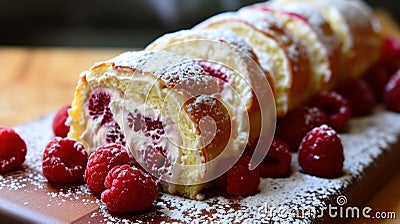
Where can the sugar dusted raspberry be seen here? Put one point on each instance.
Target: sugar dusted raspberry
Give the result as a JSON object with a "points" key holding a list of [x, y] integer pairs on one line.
{"points": [[240, 180], [278, 160], [392, 93], [12, 150], [292, 128], [321, 153], [101, 162], [129, 190], [359, 95], [59, 127], [64, 161], [335, 106]]}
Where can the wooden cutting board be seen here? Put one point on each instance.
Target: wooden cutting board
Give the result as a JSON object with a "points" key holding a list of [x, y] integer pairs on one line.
{"points": [[372, 147]]}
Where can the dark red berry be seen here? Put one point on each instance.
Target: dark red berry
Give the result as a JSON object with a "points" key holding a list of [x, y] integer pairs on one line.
{"points": [[64, 161], [321, 153], [390, 55], [59, 127], [335, 106], [101, 162], [376, 78], [392, 93], [240, 180], [359, 95], [129, 190], [12, 150], [390, 48], [278, 160], [292, 128]]}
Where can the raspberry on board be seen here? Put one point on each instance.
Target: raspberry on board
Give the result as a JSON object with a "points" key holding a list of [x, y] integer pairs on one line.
{"points": [[359, 95], [278, 160], [101, 162], [392, 93], [376, 77], [335, 106], [59, 127], [292, 128], [12, 150], [64, 161], [390, 48], [129, 190], [321, 152], [240, 180]]}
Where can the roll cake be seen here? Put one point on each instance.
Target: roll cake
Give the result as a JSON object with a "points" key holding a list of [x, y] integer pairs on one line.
{"points": [[189, 101]]}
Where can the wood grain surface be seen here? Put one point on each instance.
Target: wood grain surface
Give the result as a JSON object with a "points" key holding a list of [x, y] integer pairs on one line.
{"points": [[37, 81]]}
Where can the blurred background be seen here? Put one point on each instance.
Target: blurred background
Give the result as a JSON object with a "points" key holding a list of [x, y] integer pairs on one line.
{"points": [[121, 23]]}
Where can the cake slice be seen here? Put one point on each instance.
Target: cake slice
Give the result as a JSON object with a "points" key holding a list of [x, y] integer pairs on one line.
{"points": [[164, 108]]}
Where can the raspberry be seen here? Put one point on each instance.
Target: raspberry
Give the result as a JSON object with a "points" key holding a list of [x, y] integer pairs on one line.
{"points": [[64, 161], [59, 127], [390, 54], [100, 162], [359, 95], [376, 78], [12, 150], [240, 180], [129, 190], [292, 128], [335, 106], [278, 160], [321, 153], [390, 48], [392, 93]]}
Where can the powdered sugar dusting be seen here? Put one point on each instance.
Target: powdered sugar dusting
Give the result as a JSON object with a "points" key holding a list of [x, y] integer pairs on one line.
{"points": [[172, 69], [367, 140], [316, 21], [272, 26], [226, 36]]}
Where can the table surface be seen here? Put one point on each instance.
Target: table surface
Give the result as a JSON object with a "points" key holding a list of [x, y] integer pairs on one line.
{"points": [[37, 81]]}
